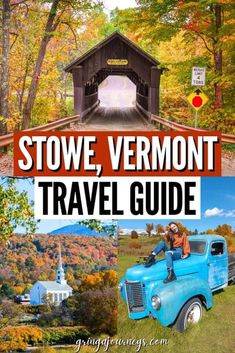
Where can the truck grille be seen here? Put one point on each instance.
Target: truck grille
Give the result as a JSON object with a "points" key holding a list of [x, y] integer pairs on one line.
{"points": [[135, 296]]}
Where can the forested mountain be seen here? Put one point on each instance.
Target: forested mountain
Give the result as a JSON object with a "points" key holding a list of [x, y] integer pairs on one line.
{"points": [[78, 229], [28, 259]]}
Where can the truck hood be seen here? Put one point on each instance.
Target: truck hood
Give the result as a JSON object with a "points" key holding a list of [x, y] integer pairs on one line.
{"points": [[158, 271]]}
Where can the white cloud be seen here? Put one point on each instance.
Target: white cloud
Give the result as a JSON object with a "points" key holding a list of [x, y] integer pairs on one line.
{"points": [[218, 212], [230, 213], [213, 212]]}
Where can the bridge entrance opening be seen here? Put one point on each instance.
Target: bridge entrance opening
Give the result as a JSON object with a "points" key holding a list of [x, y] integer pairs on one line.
{"points": [[104, 73], [117, 92]]}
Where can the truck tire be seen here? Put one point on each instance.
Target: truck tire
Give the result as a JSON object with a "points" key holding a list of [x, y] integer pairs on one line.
{"points": [[191, 313]]}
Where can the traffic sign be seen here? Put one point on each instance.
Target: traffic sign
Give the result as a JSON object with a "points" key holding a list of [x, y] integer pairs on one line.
{"points": [[198, 76], [197, 99]]}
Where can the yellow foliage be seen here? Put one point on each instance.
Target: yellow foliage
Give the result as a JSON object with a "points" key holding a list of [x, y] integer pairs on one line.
{"points": [[17, 338], [99, 280], [13, 122], [18, 290]]}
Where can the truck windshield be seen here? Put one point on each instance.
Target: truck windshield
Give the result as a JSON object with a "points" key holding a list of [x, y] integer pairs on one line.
{"points": [[197, 246]]}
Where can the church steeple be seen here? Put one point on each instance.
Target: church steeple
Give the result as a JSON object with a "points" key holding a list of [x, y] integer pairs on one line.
{"points": [[60, 277]]}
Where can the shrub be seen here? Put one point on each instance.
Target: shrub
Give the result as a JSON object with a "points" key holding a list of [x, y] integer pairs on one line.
{"points": [[64, 335], [134, 234]]}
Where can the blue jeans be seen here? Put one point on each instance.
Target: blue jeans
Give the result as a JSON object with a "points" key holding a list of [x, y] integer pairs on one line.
{"points": [[171, 254]]}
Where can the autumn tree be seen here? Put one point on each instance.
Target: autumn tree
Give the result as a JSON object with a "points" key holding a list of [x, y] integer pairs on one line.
{"points": [[9, 314], [224, 230], [97, 309], [4, 93], [159, 228], [55, 18], [201, 20], [98, 280], [149, 228]]}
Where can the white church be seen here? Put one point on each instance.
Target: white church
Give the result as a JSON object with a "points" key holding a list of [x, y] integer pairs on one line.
{"points": [[58, 290]]}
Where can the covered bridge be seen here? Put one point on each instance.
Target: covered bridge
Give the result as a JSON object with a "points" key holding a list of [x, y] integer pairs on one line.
{"points": [[116, 55]]}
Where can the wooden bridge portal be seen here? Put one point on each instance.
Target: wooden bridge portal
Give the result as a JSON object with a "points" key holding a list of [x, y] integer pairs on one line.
{"points": [[116, 55]]}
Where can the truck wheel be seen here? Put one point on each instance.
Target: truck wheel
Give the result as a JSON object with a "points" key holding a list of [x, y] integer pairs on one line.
{"points": [[191, 313]]}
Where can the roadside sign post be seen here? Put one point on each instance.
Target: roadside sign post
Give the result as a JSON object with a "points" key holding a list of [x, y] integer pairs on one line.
{"points": [[198, 76], [197, 99], [195, 119]]}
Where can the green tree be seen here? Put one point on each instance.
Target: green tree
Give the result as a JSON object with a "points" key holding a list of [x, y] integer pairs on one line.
{"points": [[100, 227], [6, 290], [16, 210]]}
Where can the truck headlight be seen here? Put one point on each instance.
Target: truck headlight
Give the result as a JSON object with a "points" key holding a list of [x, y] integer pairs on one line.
{"points": [[156, 302], [120, 286]]}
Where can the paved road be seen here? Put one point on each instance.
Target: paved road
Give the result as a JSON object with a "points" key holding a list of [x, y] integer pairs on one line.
{"points": [[117, 110], [127, 118]]}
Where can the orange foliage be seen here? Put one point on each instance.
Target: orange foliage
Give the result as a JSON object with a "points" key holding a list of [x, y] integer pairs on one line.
{"points": [[17, 338]]}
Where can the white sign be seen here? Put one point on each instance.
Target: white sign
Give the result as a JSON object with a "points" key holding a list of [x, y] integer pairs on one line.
{"points": [[198, 76], [117, 198]]}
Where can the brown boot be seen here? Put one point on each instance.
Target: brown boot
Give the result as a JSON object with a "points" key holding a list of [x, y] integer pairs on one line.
{"points": [[171, 276], [150, 260]]}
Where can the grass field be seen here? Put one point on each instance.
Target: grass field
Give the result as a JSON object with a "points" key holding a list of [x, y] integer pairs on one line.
{"points": [[214, 333]]}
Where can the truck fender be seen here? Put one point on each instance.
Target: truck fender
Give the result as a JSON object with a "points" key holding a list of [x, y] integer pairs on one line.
{"points": [[121, 288], [174, 295]]}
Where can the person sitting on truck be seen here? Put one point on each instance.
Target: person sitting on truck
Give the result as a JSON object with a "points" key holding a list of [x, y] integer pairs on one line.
{"points": [[178, 248]]}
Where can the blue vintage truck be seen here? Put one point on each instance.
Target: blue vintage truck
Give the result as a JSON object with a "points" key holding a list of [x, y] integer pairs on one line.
{"points": [[209, 268]]}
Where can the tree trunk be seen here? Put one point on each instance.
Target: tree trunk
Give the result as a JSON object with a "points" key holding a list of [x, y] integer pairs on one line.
{"points": [[50, 27], [4, 96], [23, 86], [218, 59]]}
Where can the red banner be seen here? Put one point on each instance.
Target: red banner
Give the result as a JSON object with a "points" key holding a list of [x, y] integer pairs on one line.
{"points": [[117, 153]]}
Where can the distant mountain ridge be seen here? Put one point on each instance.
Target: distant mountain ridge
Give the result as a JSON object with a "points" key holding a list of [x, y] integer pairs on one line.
{"points": [[76, 229]]}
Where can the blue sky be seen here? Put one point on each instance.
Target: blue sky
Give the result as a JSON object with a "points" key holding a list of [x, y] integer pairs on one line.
{"points": [[217, 207]]}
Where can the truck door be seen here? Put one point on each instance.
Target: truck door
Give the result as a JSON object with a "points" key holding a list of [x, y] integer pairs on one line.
{"points": [[217, 265]]}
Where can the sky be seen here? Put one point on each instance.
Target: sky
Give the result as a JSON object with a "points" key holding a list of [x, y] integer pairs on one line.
{"points": [[217, 207], [121, 4]]}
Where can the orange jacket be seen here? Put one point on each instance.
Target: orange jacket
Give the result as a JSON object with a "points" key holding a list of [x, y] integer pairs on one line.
{"points": [[180, 241]]}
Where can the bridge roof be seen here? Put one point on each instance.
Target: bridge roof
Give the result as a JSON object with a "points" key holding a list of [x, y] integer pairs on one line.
{"points": [[116, 35]]}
